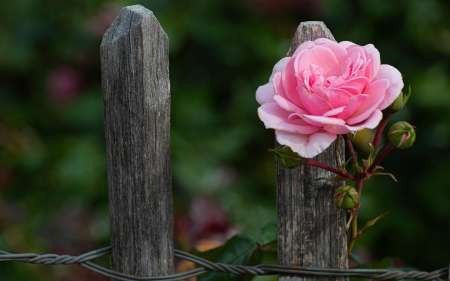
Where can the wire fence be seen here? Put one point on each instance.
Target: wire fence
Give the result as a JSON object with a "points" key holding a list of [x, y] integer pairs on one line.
{"points": [[206, 266]]}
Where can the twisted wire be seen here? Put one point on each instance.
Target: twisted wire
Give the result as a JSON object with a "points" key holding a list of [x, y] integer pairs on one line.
{"points": [[84, 260]]}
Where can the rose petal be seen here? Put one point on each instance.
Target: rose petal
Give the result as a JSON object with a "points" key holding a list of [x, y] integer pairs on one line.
{"points": [[279, 66], [320, 121], [294, 116], [278, 85], [360, 83], [354, 103], [346, 44], [357, 54], [274, 117], [320, 56], [338, 50], [334, 111], [287, 105], [335, 97], [312, 103], [370, 123], [307, 146], [395, 84], [304, 46], [376, 91], [375, 60], [290, 82], [352, 90], [265, 93]]}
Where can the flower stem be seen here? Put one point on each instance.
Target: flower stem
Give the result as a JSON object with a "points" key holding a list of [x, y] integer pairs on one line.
{"points": [[353, 233], [316, 163], [380, 157], [380, 128], [352, 153], [359, 183]]}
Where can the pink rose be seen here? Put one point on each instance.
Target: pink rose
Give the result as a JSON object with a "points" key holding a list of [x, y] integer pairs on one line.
{"points": [[326, 89]]}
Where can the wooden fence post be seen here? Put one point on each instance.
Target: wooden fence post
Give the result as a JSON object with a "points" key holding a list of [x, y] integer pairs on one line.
{"points": [[311, 229], [136, 95]]}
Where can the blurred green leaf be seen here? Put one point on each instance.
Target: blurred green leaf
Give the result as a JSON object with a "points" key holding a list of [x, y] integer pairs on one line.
{"points": [[238, 250], [268, 234]]}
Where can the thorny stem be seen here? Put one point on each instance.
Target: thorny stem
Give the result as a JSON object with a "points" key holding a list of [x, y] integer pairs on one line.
{"points": [[360, 177], [353, 232], [352, 153], [359, 183], [316, 163], [380, 129], [377, 160]]}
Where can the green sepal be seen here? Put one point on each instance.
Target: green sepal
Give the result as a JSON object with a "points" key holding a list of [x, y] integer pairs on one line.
{"points": [[288, 158]]}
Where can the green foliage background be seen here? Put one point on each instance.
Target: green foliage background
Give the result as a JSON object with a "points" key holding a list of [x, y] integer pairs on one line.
{"points": [[53, 188]]}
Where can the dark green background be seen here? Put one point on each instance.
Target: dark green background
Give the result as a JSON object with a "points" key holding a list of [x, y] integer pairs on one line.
{"points": [[53, 187]]}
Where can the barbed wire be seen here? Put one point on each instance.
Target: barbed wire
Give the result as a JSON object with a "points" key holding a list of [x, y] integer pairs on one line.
{"points": [[84, 260]]}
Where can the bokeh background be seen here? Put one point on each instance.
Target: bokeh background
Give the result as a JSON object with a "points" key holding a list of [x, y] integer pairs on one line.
{"points": [[53, 182]]}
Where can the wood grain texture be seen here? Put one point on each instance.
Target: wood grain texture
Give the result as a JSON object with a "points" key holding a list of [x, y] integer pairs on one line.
{"points": [[136, 95], [311, 229]]}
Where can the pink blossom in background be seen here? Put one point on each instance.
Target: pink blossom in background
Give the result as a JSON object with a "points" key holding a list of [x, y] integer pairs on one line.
{"points": [[326, 89], [64, 83], [206, 221], [209, 220]]}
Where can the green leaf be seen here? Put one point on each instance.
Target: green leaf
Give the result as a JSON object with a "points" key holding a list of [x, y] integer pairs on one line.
{"points": [[238, 250], [383, 264], [210, 255], [371, 155], [287, 158], [377, 151], [342, 167], [268, 234], [371, 223], [356, 259], [255, 258], [384, 174]]}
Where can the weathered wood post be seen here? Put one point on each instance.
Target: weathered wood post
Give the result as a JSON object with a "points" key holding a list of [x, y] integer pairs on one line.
{"points": [[311, 230], [136, 96]]}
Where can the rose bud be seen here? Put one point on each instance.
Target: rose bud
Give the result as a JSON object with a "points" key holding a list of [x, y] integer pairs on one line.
{"points": [[399, 102], [401, 135], [288, 158], [346, 197]]}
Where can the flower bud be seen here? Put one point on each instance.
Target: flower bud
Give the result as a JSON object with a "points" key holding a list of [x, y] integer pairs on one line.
{"points": [[288, 158], [399, 102], [402, 135], [346, 197]]}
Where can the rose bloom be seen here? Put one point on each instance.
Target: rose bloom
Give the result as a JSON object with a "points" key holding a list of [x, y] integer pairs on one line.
{"points": [[326, 89]]}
